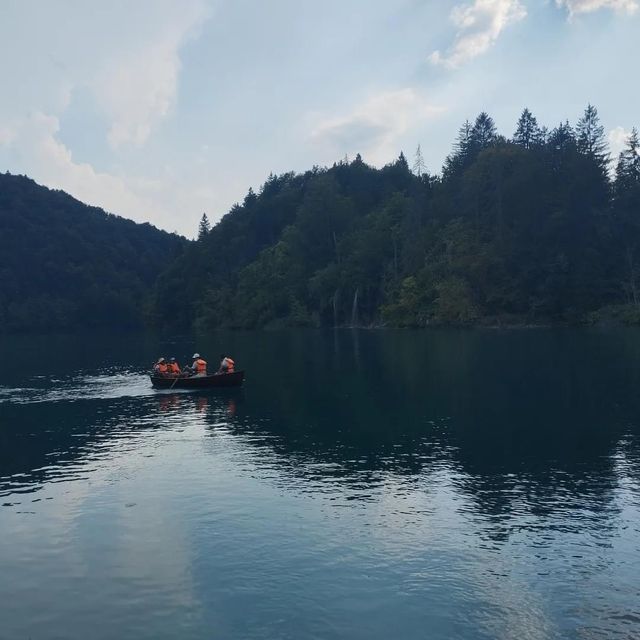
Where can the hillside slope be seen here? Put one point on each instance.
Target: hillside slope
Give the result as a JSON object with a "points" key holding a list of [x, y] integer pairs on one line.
{"points": [[530, 229], [65, 265]]}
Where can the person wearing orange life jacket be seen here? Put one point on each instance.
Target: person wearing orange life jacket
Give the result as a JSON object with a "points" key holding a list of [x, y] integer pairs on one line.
{"points": [[199, 366], [227, 365], [161, 367], [173, 367]]}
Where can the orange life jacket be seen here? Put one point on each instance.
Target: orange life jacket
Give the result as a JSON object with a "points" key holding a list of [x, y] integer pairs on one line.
{"points": [[162, 368], [230, 364], [174, 367], [201, 365]]}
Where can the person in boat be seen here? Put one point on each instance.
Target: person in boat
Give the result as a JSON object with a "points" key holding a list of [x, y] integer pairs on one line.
{"points": [[173, 367], [227, 365], [160, 367], [199, 366]]}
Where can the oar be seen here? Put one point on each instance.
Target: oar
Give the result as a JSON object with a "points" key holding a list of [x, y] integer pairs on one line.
{"points": [[176, 380]]}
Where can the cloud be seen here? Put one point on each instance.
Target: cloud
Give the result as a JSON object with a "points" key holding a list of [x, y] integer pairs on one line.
{"points": [[7, 134], [36, 150], [575, 7], [617, 138], [479, 25], [374, 127], [138, 88], [127, 55]]}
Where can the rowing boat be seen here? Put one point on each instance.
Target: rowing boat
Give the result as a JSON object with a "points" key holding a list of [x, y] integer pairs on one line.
{"points": [[198, 382]]}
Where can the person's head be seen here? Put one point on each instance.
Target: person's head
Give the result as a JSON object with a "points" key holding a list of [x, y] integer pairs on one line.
{"points": [[172, 360], [196, 356], [160, 360]]}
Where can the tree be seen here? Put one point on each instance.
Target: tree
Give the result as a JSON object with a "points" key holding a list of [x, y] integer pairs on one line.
{"points": [[528, 133], [204, 227], [628, 167], [561, 139], [461, 155], [590, 138], [419, 166], [483, 132]]}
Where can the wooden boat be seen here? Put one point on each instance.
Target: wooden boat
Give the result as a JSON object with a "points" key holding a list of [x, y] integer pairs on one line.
{"points": [[198, 382]]}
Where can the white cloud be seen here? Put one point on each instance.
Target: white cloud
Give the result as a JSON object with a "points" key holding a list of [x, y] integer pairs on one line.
{"points": [[479, 25], [38, 152], [137, 88], [617, 139], [7, 134], [127, 55], [374, 127], [575, 7]]}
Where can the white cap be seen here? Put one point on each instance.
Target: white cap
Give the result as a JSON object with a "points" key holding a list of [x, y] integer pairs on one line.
{"points": [[196, 355]]}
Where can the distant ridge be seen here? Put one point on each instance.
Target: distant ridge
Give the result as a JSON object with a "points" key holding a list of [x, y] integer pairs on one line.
{"points": [[66, 265]]}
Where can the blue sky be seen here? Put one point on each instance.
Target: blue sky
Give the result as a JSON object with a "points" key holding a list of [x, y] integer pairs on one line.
{"points": [[161, 110]]}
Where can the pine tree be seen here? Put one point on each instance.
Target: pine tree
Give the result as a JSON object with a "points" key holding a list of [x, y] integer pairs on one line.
{"points": [[402, 161], [204, 227], [483, 132], [250, 199], [528, 133], [561, 138], [419, 166], [590, 137], [461, 155], [628, 168]]}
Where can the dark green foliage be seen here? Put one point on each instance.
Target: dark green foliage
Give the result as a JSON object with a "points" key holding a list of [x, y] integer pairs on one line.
{"points": [[590, 137], [522, 231], [528, 134], [64, 265], [204, 227], [529, 230]]}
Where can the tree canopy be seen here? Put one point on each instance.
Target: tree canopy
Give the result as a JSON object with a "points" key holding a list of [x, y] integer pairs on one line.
{"points": [[538, 228], [64, 265], [524, 230]]}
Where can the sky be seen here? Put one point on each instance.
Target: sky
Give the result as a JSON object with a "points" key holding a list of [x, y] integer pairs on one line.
{"points": [[162, 110]]}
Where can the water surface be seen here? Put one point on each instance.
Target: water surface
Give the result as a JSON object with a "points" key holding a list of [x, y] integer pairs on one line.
{"points": [[480, 484]]}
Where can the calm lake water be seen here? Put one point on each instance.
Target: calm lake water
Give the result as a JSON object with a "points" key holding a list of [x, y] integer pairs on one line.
{"points": [[362, 485]]}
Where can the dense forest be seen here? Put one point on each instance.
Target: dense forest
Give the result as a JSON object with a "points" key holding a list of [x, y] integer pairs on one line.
{"points": [[542, 227], [538, 228], [64, 265]]}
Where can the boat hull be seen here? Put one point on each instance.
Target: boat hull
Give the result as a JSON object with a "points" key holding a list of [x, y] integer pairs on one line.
{"points": [[199, 382]]}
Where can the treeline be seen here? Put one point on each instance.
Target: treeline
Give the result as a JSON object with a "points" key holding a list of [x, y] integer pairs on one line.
{"points": [[527, 229], [538, 228], [64, 265]]}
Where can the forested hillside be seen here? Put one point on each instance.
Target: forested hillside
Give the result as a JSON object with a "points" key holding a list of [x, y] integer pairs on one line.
{"points": [[64, 265], [527, 229]]}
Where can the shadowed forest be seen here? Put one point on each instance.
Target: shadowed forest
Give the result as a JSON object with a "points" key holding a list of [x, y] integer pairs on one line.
{"points": [[541, 227], [536, 228]]}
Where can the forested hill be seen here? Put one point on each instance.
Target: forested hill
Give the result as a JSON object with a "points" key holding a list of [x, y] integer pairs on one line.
{"points": [[64, 265], [526, 229]]}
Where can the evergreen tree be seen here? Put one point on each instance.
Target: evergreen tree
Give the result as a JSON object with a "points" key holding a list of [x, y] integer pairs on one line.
{"points": [[204, 227], [528, 133], [561, 139], [628, 168], [483, 132], [461, 155], [462, 145], [590, 137], [250, 199], [419, 166]]}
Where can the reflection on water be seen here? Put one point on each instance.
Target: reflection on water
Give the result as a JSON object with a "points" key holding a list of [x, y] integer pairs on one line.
{"points": [[362, 484]]}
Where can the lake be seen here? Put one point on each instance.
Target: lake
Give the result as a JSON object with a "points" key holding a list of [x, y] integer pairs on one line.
{"points": [[362, 485]]}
